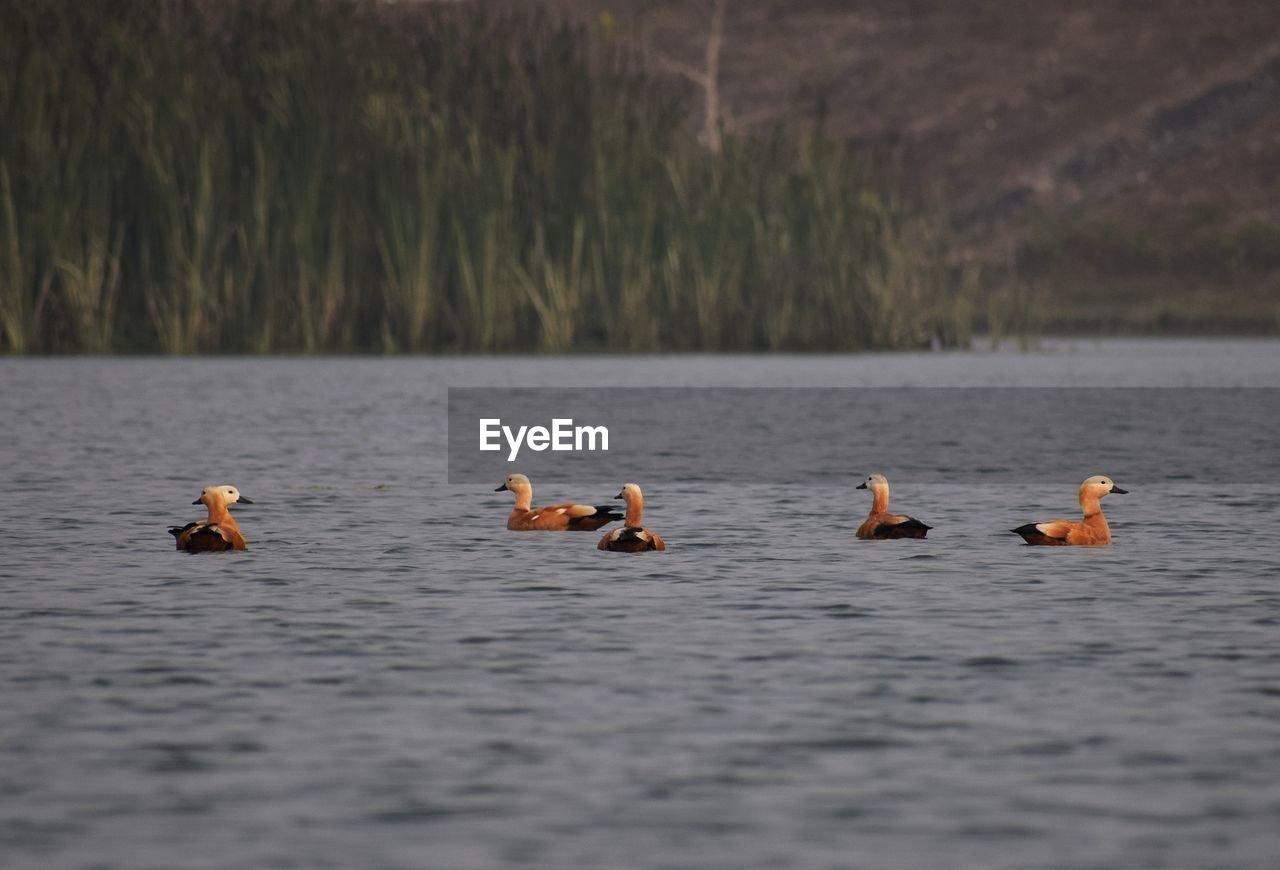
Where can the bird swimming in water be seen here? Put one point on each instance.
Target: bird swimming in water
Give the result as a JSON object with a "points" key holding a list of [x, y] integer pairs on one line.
{"points": [[1091, 531], [633, 537], [553, 518], [882, 524], [219, 531]]}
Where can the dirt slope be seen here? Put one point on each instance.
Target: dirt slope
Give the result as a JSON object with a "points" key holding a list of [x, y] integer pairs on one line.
{"points": [[1038, 125]]}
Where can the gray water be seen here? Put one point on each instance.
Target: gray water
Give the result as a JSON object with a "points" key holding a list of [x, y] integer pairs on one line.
{"points": [[390, 679]]}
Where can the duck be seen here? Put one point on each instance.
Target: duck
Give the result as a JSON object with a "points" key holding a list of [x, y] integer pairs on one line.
{"points": [[553, 518], [633, 537], [881, 524], [1091, 531], [219, 531]]}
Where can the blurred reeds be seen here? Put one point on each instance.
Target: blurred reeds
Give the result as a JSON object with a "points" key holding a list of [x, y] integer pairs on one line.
{"points": [[202, 176]]}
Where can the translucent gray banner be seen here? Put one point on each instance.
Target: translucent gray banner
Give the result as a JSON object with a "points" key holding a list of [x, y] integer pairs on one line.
{"points": [[799, 435]]}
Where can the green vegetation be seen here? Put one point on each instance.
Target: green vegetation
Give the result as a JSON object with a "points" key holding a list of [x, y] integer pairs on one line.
{"points": [[1167, 274], [311, 176]]}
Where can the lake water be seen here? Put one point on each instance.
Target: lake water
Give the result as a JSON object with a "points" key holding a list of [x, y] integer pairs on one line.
{"points": [[390, 679]]}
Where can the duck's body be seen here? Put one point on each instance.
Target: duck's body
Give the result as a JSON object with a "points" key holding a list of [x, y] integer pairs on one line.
{"points": [[1091, 531], [219, 531], [567, 517], [633, 537], [209, 537], [880, 523]]}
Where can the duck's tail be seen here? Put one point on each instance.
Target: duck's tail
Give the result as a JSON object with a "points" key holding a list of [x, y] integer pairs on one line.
{"points": [[605, 514], [1032, 535]]}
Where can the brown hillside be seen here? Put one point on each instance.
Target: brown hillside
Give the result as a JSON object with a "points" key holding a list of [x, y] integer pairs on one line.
{"points": [[1154, 125]]}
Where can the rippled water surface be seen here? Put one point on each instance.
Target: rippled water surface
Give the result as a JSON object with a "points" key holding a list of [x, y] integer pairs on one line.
{"points": [[390, 679]]}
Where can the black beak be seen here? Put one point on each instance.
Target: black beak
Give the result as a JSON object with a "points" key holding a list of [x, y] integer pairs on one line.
{"points": [[1115, 488], [200, 500], [619, 495], [501, 488], [861, 486], [244, 500]]}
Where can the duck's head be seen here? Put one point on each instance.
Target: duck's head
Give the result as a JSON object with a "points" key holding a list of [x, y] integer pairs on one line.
{"points": [[630, 492], [1098, 486], [226, 494], [515, 482], [875, 483]]}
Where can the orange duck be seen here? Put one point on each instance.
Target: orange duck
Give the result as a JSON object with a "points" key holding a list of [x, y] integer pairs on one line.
{"points": [[633, 537], [219, 531], [1091, 531], [882, 524], [553, 518]]}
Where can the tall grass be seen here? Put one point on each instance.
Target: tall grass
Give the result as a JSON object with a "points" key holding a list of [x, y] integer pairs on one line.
{"points": [[193, 176]]}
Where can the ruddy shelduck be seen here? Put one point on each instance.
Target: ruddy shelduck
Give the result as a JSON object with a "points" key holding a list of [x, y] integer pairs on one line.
{"points": [[219, 531], [1091, 531], [556, 517], [633, 537], [882, 524]]}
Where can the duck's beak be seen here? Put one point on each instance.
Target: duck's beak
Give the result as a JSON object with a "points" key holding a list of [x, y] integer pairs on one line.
{"points": [[862, 485], [501, 488], [1115, 488], [243, 500], [200, 500], [620, 495]]}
